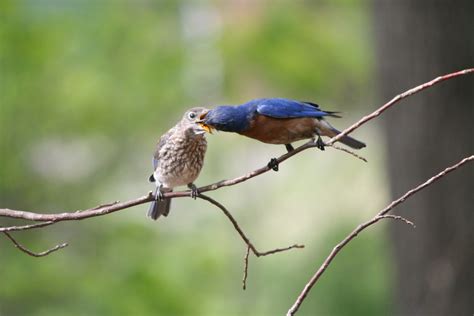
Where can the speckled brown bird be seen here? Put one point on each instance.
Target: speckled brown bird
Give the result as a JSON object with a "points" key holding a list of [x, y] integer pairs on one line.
{"points": [[178, 159]]}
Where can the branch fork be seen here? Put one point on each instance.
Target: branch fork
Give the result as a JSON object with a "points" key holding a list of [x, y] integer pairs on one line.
{"points": [[43, 220]]}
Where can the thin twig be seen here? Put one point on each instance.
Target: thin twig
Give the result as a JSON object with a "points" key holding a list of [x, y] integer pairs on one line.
{"points": [[25, 227], [246, 268], [232, 219], [425, 184], [271, 252], [380, 215], [114, 207], [246, 240], [242, 234], [104, 205], [31, 253], [347, 151], [399, 97], [400, 218]]}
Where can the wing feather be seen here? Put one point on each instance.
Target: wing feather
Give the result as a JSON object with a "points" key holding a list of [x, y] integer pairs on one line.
{"points": [[284, 108]]}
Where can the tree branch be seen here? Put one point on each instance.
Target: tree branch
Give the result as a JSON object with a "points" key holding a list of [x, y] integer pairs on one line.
{"points": [[115, 206], [104, 209], [380, 215], [242, 234], [396, 99], [77, 215], [246, 268], [245, 238], [31, 253], [25, 227], [400, 218], [350, 152]]}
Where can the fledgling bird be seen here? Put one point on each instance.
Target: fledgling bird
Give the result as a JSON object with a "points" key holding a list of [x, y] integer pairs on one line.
{"points": [[178, 159], [276, 121]]}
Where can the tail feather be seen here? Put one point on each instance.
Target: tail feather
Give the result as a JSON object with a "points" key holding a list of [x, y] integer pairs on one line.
{"points": [[328, 130], [159, 207], [352, 142]]}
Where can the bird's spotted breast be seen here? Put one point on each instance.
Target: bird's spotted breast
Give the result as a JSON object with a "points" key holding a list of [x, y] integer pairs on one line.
{"points": [[181, 160]]}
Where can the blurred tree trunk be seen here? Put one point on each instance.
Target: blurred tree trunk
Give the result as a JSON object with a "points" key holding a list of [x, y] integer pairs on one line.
{"points": [[416, 41]]}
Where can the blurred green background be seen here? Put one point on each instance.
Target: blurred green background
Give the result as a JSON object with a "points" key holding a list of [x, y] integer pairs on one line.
{"points": [[87, 88]]}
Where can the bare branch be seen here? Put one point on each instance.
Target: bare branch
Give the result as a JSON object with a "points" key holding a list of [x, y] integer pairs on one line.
{"points": [[50, 219], [400, 218], [25, 227], [247, 241], [77, 215], [241, 233], [246, 268], [115, 206], [271, 252], [31, 253], [350, 152], [380, 215], [399, 97], [105, 205], [425, 184]]}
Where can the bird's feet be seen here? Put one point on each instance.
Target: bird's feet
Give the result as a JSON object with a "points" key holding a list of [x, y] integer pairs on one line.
{"points": [[289, 147], [159, 195], [194, 190], [273, 164], [320, 143]]}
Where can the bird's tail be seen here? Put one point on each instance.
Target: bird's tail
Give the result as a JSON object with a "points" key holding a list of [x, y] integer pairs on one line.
{"points": [[328, 130], [159, 207]]}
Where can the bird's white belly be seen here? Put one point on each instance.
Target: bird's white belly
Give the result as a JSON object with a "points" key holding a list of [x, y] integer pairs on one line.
{"points": [[177, 177]]}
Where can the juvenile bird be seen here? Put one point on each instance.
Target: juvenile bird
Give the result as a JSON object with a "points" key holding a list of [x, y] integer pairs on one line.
{"points": [[178, 159], [276, 121]]}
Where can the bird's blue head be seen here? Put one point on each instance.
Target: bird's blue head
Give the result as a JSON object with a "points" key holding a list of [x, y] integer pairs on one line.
{"points": [[227, 118]]}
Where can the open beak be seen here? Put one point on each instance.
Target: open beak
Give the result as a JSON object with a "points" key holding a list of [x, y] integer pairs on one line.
{"points": [[203, 125]]}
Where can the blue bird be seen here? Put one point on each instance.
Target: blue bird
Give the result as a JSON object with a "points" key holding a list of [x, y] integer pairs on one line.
{"points": [[276, 121]]}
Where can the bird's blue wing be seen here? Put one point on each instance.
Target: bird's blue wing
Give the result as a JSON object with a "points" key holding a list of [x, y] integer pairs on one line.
{"points": [[284, 108]]}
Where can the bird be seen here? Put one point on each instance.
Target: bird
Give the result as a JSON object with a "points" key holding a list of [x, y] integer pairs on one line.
{"points": [[276, 121], [178, 160]]}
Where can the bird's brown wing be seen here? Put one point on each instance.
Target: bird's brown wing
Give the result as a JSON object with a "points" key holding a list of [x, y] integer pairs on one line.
{"points": [[163, 139]]}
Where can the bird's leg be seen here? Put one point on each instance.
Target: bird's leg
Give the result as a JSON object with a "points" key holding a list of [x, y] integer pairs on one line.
{"points": [[319, 142], [289, 147], [159, 193], [273, 164], [194, 190]]}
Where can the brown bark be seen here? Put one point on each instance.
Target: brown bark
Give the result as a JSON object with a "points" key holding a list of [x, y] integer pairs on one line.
{"points": [[415, 41]]}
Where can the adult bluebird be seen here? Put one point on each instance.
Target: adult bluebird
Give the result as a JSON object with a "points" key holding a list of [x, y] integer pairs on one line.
{"points": [[276, 121], [178, 159]]}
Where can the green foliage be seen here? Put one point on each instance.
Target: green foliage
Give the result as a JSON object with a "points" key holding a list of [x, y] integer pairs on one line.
{"points": [[86, 88]]}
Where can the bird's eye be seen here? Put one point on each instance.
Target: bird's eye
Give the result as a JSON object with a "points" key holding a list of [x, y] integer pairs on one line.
{"points": [[191, 115]]}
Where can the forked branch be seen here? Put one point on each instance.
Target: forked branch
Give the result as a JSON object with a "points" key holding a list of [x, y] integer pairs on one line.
{"points": [[43, 220], [380, 215], [116, 206]]}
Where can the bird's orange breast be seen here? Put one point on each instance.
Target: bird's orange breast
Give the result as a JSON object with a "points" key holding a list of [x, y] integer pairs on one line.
{"points": [[280, 131]]}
